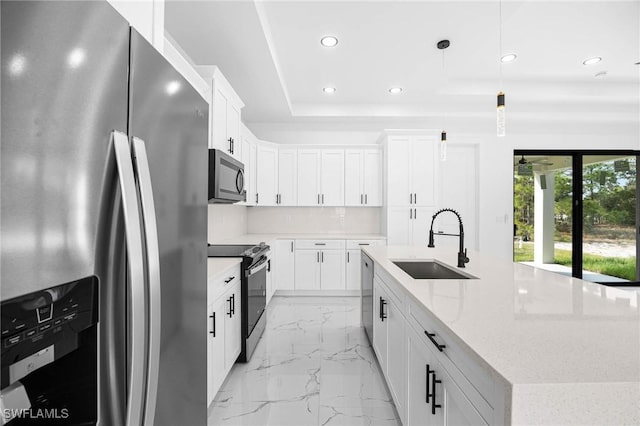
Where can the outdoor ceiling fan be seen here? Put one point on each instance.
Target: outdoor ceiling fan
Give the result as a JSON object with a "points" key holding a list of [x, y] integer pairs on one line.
{"points": [[542, 162]]}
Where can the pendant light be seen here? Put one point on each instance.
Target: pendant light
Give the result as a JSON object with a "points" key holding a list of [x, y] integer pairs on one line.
{"points": [[442, 45], [500, 110], [443, 146]]}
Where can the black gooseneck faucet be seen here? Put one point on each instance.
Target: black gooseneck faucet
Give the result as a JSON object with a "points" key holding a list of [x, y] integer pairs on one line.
{"points": [[462, 254]]}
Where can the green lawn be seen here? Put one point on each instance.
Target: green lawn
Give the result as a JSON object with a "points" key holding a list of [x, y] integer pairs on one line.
{"points": [[614, 266]]}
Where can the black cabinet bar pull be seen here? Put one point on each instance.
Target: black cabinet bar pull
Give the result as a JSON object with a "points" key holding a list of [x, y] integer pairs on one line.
{"points": [[233, 303], [214, 324], [291, 246], [228, 280], [320, 244], [410, 198], [269, 265], [410, 213], [318, 198], [256, 198], [363, 244], [361, 199], [434, 381], [348, 257], [415, 198], [428, 393], [322, 198], [317, 257], [322, 256], [230, 313], [431, 337], [383, 315], [380, 309], [365, 199], [230, 145]]}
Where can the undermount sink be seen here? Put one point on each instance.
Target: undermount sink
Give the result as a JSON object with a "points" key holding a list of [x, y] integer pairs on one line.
{"points": [[431, 270]]}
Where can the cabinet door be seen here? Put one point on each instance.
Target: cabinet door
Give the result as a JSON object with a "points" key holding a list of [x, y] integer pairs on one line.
{"points": [[285, 265], [398, 172], [353, 174], [253, 176], [419, 410], [457, 190], [396, 357], [399, 225], [270, 282], [219, 122], [332, 180], [215, 348], [420, 225], [372, 177], [424, 166], [246, 160], [232, 329], [353, 269], [456, 408], [233, 130], [287, 177], [307, 270], [308, 177], [332, 269], [380, 325], [267, 175]]}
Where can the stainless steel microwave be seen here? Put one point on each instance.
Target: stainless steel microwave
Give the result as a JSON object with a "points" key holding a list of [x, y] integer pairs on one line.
{"points": [[226, 178]]}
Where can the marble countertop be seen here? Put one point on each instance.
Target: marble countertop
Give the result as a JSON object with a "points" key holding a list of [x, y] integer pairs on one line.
{"points": [[217, 266], [267, 238], [529, 325]]}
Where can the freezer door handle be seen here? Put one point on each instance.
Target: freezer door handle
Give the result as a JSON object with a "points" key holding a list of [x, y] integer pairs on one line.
{"points": [[135, 258], [153, 274]]}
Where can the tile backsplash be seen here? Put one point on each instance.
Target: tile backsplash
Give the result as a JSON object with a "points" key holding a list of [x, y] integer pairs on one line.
{"points": [[226, 221], [301, 220]]}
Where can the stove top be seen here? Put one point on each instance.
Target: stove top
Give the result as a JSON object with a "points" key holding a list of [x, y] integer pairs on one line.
{"points": [[236, 250]]}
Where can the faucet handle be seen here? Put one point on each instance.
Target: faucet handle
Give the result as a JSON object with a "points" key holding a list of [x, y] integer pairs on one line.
{"points": [[466, 259]]}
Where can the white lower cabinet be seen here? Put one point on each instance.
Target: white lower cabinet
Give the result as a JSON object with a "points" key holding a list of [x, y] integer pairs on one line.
{"points": [[319, 265], [223, 329], [284, 265], [434, 398], [389, 343], [353, 269], [431, 379]]}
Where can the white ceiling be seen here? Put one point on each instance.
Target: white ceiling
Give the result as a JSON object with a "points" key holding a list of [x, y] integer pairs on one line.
{"points": [[270, 52]]}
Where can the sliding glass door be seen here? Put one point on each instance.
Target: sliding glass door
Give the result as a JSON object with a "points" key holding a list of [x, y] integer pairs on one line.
{"points": [[575, 213], [609, 218]]}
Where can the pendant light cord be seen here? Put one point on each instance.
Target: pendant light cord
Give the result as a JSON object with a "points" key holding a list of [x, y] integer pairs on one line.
{"points": [[500, 37]]}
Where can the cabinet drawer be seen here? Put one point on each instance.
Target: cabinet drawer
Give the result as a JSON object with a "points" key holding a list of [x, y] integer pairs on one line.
{"points": [[320, 244], [225, 281], [475, 381], [357, 244]]}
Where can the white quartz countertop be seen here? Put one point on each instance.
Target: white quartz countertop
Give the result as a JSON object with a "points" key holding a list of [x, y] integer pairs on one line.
{"points": [[529, 325], [257, 238], [217, 266]]}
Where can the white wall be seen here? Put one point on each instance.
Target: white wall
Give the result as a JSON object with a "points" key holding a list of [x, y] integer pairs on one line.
{"points": [[226, 221], [495, 193], [301, 220]]}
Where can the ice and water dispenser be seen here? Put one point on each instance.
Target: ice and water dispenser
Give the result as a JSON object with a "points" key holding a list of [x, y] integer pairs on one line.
{"points": [[49, 356]]}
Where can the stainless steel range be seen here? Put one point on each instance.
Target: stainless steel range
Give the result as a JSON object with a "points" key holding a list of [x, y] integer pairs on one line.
{"points": [[253, 290]]}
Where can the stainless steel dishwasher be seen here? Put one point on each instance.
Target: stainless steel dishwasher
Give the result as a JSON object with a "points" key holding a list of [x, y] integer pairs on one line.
{"points": [[366, 268]]}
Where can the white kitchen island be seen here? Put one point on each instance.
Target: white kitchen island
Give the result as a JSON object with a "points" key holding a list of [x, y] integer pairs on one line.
{"points": [[522, 345]]}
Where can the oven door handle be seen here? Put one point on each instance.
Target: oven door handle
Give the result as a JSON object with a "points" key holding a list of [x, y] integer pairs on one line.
{"points": [[259, 266]]}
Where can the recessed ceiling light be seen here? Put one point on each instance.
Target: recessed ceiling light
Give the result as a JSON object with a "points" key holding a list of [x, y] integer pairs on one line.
{"points": [[591, 61], [600, 74], [329, 90], [395, 90], [510, 57], [328, 41], [637, 63]]}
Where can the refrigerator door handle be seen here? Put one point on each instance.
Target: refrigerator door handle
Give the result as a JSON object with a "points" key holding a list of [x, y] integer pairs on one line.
{"points": [[133, 236], [153, 273]]}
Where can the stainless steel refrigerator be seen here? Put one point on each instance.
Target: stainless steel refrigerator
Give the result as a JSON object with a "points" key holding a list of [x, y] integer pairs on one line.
{"points": [[104, 174]]}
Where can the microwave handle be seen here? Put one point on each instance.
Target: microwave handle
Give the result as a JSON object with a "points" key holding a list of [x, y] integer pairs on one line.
{"points": [[240, 177]]}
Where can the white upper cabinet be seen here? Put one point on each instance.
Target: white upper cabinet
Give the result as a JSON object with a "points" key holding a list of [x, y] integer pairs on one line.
{"points": [[248, 158], [287, 177], [224, 122], [411, 170], [267, 174], [363, 177], [308, 177], [332, 177]]}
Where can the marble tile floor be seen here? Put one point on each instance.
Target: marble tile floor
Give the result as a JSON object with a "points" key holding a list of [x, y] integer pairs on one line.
{"points": [[313, 366]]}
